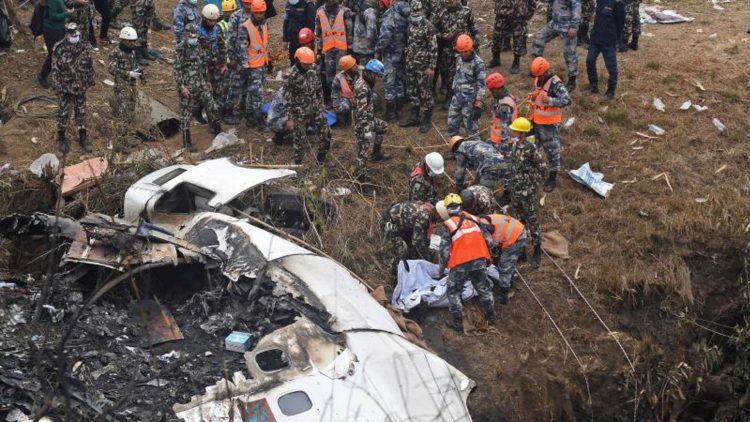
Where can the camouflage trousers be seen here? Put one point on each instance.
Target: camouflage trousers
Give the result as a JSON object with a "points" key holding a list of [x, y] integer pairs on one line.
{"points": [[117, 6], [588, 7], [82, 16], [547, 34], [548, 136], [331, 64], [247, 84], [461, 111], [397, 248], [142, 19], [506, 261], [457, 277], [524, 204], [123, 106], [363, 145], [66, 102], [446, 65], [419, 87], [395, 74], [632, 20], [491, 177], [517, 28], [200, 99], [319, 125], [219, 85]]}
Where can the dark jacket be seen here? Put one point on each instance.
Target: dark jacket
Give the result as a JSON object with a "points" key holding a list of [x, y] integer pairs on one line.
{"points": [[55, 15], [609, 19], [301, 15]]}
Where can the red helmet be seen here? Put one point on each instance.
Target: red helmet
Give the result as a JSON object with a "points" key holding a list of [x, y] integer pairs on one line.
{"points": [[495, 80], [386, 3], [305, 36]]}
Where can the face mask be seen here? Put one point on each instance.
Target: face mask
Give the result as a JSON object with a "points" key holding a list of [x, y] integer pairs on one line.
{"points": [[74, 39], [416, 18], [193, 2], [192, 41]]}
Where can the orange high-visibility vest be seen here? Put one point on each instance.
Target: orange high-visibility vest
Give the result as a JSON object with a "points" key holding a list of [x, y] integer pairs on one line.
{"points": [[346, 90], [467, 241], [257, 45], [506, 229], [332, 37], [541, 113], [496, 130]]}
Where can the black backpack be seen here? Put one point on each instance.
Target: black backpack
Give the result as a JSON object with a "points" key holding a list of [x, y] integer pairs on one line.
{"points": [[5, 37], [37, 20]]}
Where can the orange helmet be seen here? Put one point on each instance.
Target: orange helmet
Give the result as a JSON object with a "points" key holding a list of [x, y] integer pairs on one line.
{"points": [[347, 62], [304, 55], [464, 43], [495, 80], [258, 6], [539, 66], [454, 142], [305, 36], [248, 2]]}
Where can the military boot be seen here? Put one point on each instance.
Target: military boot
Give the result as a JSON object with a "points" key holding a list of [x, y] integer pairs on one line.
{"points": [[62, 143], [278, 138], [515, 67], [229, 117], [320, 158], [426, 121], [216, 127], [83, 141], [495, 62], [413, 119], [593, 88], [390, 111], [187, 143], [536, 259], [456, 323], [260, 121], [622, 47], [551, 182], [634, 43], [490, 314], [571, 85], [610, 94], [377, 150], [502, 297]]}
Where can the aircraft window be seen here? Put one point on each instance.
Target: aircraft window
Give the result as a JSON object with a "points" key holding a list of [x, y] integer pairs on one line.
{"points": [[294, 403], [272, 360]]}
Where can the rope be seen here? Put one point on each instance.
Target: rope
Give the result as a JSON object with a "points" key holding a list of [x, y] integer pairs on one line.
{"points": [[35, 115]]}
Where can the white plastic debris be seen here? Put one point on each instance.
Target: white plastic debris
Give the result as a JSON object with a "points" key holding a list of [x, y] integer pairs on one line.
{"points": [[659, 104], [157, 382], [656, 130], [569, 123], [719, 125], [655, 14], [166, 357], [224, 139], [34, 140], [686, 105], [45, 160], [594, 180], [699, 108], [109, 82], [714, 35]]}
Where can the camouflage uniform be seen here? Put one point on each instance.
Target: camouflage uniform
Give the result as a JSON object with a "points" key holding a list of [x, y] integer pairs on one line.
{"points": [[454, 23], [367, 127], [505, 113], [122, 61], [505, 259], [248, 81], [190, 71], [331, 58], [343, 105], [632, 26], [421, 54], [482, 203], [405, 229], [422, 187], [214, 46], [81, 16], [276, 118], [526, 170], [468, 86], [548, 136], [116, 7], [143, 12], [566, 15], [72, 74], [237, 73], [588, 8], [184, 14], [391, 45], [488, 165], [365, 33], [303, 97], [512, 19]]}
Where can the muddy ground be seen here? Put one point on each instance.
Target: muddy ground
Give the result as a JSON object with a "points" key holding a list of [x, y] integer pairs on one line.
{"points": [[663, 260]]}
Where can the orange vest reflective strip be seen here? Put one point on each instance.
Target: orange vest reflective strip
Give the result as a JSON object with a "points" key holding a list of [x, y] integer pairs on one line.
{"points": [[541, 113], [346, 90], [332, 37], [506, 229], [496, 130], [467, 241], [257, 45]]}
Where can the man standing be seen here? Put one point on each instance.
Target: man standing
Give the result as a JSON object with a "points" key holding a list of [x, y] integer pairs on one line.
{"points": [[632, 30], [237, 73], [464, 250], [468, 88], [342, 95], [367, 127], [452, 20], [390, 48], [366, 30], [546, 101], [508, 239], [504, 111], [298, 14], [184, 14], [406, 231], [608, 22], [511, 20], [333, 28], [566, 16], [193, 86], [303, 98], [479, 156], [80, 13], [421, 59], [527, 168], [250, 51], [213, 44], [123, 65], [72, 75], [143, 12], [53, 30]]}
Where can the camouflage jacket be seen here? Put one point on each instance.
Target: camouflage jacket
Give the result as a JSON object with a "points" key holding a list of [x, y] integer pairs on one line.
{"points": [[120, 63], [421, 51], [348, 24], [469, 80], [455, 23], [303, 94], [214, 46], [143, 12], [422, 187], [521, 9], [408, 217], [234, 32], [482, 200], [184, 14], [527, 167], [189, 69], [395, 21], [72, 70], [362, 109], [558, 94], [478, 156], [81, 14], [365, 33], [336, 97], [566, 14]]}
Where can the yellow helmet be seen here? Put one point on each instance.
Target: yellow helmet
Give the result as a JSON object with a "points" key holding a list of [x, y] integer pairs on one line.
{"points": [[452, 200], [228, 6], [521, 124]]}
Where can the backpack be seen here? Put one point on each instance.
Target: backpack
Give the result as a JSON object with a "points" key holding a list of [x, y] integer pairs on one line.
{"points": [[37, 20], [5, 36]]}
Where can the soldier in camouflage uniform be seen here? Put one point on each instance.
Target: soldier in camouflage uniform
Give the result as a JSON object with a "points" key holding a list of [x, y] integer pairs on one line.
{"points": [[632, 30], [511, 20], [124, 67], [423, 182], [406, 226], [526, 171], [81, 16], [184, 14], [477, 200], [365, 33], [276, 118], [143, 12], [452, 20], [331, 55], [193, 86], [72, 75], [421, 59], [468, 90], [237, 73], [566, 16], [367, 127], [342, 92], [390, 48], [480, 157], [214, 45], [587, 14], [303, 98]]}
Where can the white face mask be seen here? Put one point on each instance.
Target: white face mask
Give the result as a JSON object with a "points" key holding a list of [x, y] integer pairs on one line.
{"points": [[193, 2], [192, 41], [74, 39]]}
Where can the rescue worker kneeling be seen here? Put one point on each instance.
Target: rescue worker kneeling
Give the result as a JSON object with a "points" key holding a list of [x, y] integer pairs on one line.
{"points": [[464, 250], [508, 242], [342, 92]]}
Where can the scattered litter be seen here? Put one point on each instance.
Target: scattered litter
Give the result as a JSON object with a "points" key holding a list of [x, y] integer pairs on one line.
{"points": [[158, 382], [20, 51], [5, 285], [720, 169], [699, 30], [627, 182], [109, 82], [715, 4], [556, 244], [542, 200], [105, 370], [46, 161], [83, 175], [101, 62], [701, 200], [666, 179], [217, 322], [699, 108], [239, 342], [578, 270], [648, 35], [655, 14], [337, 191], [160, 323], [594, 180], [166, 357], [659, 104], [686, 105], [719, 125], [15, 314], [643, 135], [656, 130], [637, 148], [696, 83], [34, 140], [224, 139], [55, 314], [714, 35], [600, 119], [208, 353], [569, 123], [6, 168]]}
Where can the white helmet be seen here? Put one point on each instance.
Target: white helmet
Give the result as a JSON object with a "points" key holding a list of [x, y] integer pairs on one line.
{"points": [[442, 211], [435, 162], [128, 33], [211, 12]]}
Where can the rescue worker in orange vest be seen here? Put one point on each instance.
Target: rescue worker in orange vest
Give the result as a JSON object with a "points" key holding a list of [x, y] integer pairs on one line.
{"points": [[423, 182], [251, 53], [464, 250], [545, 103], [333, 29], [504, 111], [508, 239], [342, 89]]}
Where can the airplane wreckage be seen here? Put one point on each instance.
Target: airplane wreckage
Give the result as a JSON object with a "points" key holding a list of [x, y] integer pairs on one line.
{"points": [[181, 310]]}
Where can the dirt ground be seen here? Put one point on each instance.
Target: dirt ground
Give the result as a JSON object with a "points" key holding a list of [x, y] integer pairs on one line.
{"points": [[663, 260]]}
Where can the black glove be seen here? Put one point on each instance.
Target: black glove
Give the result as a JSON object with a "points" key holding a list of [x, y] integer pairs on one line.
{"points": [[477, 113]]}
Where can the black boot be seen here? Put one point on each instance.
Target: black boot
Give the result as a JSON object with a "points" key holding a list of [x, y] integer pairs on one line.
{"points": [[260, 121], [140, 56], [571, 85], [490, 314], [495, 62], [551, 182], [536, 259], [622, 47], [515, 67], [502, 298], [456, 323], [426, 121], [634, 43], [390, 111], [62, 143], [216, 127], [187, 143], [377, 150], [593, 88], [320, 158], [610, 94], [83, 141], [229, 117], [413, 119], [278, 138]]}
